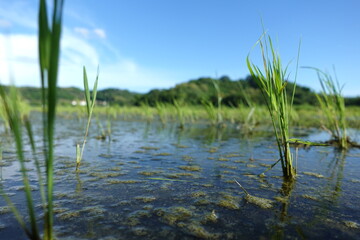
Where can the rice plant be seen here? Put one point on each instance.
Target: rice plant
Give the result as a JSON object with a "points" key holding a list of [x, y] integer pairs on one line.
{"points": [[211, 111], [49, 48], [108, 122], [272, 83], [146, 111], [180, 112], [332, 104], [102, 134], [90, 104], [219, 100], [161, 111], [14, 118], [249, 123], [214, 113]]}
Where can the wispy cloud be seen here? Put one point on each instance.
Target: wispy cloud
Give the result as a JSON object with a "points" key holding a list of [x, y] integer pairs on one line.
{"points": [[100, 32], [82, 31], [90, 33]]}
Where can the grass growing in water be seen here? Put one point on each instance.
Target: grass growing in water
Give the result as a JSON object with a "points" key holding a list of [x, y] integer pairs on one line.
{"points": [[214, 113], [90, 104], [219, 100], [49, 48], [178, 104], [332, 104], [272, 83]]}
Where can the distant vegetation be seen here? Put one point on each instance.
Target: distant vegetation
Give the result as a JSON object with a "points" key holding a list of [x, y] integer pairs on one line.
{"points": [[197, 91], [193, 92]]}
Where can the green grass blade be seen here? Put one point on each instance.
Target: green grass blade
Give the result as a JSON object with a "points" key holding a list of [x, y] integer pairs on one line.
{"points": [[37, 164], [90, 103], [86, 91], [13, 117]]}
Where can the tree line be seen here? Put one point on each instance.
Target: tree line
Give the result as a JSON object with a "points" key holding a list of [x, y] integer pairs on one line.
{"points": [[194, 92]]}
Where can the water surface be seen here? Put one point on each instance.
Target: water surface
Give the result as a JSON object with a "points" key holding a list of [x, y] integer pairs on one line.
{"points": [[159, 182]]}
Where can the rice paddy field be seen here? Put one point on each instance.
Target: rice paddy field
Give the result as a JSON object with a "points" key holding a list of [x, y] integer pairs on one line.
{"points": [[154, 180]]}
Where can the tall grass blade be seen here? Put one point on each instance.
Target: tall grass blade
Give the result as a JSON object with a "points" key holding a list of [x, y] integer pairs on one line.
{"points": [[49, 47], [49, 50]]}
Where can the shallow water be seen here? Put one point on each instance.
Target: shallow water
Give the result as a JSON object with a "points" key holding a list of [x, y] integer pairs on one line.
{"points": [[158, 182]]}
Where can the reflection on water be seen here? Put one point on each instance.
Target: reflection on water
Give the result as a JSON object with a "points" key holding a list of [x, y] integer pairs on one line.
{"points": [[161, 182]]}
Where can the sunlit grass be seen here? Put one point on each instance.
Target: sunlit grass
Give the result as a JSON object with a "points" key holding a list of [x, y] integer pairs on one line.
{"points": [[90, 104], [179, 106], [272, 81], [332, 104]]}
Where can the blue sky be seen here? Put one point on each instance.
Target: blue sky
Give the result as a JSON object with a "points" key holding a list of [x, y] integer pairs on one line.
{"points": [[143, 44]]}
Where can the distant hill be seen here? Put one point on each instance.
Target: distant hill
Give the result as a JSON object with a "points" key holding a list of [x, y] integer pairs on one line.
{"points": [[233, 92], [194, 92], [117, 96]]}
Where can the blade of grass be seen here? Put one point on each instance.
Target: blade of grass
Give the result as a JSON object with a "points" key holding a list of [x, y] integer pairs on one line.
{"points": [[49, 50], [13, 117]]}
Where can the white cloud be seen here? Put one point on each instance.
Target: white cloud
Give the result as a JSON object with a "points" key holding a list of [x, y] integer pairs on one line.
{"points": [[80, 46], [100, 33], [87, 33], [19, 59], [82, 31]]}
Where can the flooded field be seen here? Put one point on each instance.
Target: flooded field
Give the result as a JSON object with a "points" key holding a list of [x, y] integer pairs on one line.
{"points": [[149, 181]]}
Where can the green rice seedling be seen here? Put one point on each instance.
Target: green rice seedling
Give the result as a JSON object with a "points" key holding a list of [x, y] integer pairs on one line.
{"points": [[90, 104], [13, 117], [49, 51], [49, 46], [272, 83], [161, 110], [102, 133], [215, 114], [249, 122], [211, 111], [219, 100], [332, 104], [180, 112], [146, 111], [108, 120]]}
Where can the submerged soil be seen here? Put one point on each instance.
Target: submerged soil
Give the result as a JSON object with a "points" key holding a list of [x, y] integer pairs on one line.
{"points": [[159, 182]]}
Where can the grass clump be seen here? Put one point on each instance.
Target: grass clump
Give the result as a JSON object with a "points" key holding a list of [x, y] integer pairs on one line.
{"points": [[332, 104], [272, 83], [228, 204], [192, 168], [179, 107], [258, 201]]}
